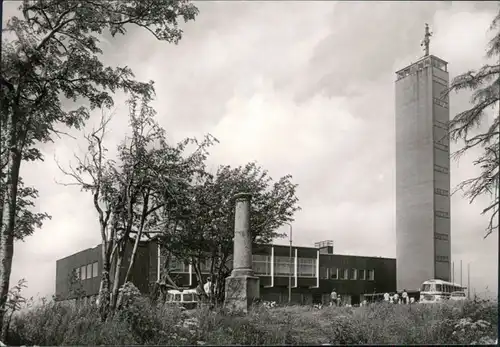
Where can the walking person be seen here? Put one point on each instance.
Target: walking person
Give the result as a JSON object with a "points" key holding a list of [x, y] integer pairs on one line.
{"points": [[333, 298]]}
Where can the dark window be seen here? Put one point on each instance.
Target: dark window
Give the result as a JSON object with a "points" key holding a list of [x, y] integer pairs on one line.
{"points": [[442, 214], [261, 264], [283, 266], [371, 275], [439, 236], [362, 274], [441, 169], [440, 102], [441, 147], [89, 271], [442, 259], [344, 274], [442, 192], [95, 269], [306, 267], [354, 274], [323, 273], [334, 273]]}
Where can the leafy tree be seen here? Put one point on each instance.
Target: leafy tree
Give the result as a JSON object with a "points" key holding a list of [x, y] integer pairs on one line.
{"points": [[486, 86], [128, 192], [51, 55], [204, 230]]}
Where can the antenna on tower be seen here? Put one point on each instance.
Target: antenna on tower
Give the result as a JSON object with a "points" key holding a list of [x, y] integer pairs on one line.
{"points": [[427, 39]]}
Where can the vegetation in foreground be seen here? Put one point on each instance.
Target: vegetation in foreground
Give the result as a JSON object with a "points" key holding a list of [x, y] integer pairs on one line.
{"points": [[139, 322]]}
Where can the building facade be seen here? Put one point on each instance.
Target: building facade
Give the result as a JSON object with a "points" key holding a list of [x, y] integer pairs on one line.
{"points": [[313, 272], [423, 237]]}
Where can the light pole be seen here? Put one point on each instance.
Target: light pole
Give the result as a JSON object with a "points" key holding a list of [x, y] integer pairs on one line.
{"points": [[290, 265]]}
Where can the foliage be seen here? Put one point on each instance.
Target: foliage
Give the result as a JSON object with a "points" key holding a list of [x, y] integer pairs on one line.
{"points": [[15, 302], [51, 75], [148, 178], [485, 84], [142, 323], [204, 231]]}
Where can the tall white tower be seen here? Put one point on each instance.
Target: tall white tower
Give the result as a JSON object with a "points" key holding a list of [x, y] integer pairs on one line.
{"points": [[423, 237]]}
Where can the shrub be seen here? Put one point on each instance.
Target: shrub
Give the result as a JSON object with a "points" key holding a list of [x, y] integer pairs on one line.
{"points": [[139, 322]]}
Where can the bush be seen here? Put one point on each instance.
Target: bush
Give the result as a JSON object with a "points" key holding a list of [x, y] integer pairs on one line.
{"points": [[139, 322]]}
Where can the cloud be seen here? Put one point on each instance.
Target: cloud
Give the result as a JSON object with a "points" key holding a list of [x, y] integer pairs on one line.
{"points": [[305, 88]]}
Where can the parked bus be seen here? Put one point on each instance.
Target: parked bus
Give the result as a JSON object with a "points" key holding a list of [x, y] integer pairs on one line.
{"points": [[434, 291], [186, 298]]}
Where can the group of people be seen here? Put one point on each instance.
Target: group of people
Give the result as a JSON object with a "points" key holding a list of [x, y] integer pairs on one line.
{"points": [[394, 299]]}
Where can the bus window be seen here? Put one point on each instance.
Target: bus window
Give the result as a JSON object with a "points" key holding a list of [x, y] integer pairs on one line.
{"points": [[188, 297], [439, 288], [426, 287], [177, 297]]}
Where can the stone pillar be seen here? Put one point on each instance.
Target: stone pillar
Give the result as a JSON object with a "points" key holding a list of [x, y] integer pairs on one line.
{"points": [[242, 287]]}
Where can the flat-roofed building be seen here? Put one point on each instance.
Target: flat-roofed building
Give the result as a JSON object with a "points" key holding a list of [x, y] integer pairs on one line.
{"points": [[313, 271]]}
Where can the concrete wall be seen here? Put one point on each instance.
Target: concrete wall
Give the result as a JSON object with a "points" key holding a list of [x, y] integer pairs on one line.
{"points": [[442, 206], [422, 193], [414, 180]]}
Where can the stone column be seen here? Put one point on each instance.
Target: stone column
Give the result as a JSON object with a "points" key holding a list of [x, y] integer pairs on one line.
{"points": [[242, 287]]}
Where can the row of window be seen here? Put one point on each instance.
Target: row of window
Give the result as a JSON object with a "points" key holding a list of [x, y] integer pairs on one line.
{"points": [[87, 271], [284, 266], [347, 274], [261, 264], [447, 288], [441, 169], [428, 62], [306, 267]]}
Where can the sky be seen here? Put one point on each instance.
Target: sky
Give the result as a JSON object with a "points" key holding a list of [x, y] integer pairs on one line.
{"points": [[303, 88]]}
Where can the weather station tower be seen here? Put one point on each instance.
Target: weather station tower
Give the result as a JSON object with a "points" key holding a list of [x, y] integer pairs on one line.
{"points": [[423, 237]]}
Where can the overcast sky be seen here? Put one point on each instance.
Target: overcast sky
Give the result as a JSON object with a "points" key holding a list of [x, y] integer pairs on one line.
{"points": [[304, 88]]}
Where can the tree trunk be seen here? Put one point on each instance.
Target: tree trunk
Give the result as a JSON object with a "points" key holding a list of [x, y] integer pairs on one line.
{"points": [[116, 281], [138, 238], [104, 291], [8, 218]]}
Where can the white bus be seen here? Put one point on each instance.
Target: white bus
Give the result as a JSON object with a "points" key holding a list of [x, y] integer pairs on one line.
{"points": [[186, 298], [434, 291]]}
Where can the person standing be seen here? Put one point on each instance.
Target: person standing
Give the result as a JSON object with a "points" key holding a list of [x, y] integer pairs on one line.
{"points": [[387, 297], [333, 298], [396, 298], [404, 296]]}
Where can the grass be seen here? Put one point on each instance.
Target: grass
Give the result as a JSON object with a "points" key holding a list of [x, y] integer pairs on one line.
{"points": [[53, 324]]}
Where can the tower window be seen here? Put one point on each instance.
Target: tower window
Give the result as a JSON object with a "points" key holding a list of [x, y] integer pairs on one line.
{"points": [[439, 236], [442, 192], [442, 214]]}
